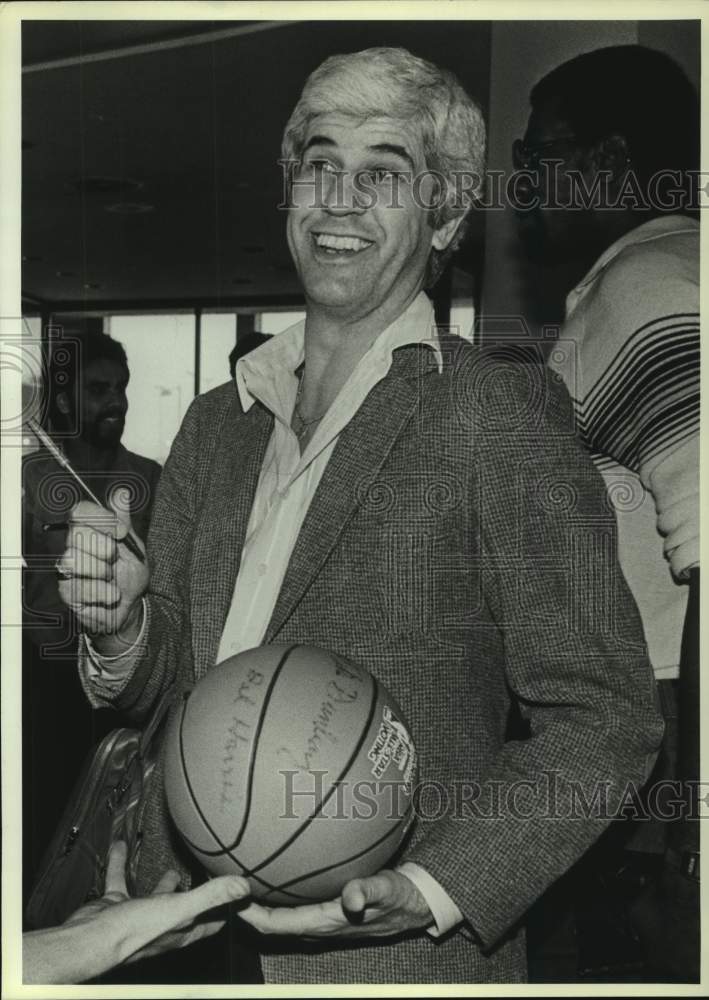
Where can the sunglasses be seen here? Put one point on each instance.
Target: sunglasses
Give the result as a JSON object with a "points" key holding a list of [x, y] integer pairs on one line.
{"points": [[528, 156]]}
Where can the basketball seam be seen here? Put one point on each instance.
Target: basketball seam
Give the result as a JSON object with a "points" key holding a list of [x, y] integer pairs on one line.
{"points": [[190, 789], [224, 850], [331, 791], [344, 861], [254, 749], [243, 869]]}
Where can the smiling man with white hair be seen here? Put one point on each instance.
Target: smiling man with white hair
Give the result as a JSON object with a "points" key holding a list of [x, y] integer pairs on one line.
{"points": [[413, 504]]}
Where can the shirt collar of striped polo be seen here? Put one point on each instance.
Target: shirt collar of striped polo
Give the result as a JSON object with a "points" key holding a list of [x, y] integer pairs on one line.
{"points": [[663, 225], [268, 374]]}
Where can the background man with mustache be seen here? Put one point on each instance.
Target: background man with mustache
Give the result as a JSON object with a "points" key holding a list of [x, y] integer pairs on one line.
{"points": [[87, 406]]}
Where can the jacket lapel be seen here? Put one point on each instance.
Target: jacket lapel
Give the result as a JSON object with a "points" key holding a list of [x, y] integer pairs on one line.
{"points": [[224, 519], [359, 454]]}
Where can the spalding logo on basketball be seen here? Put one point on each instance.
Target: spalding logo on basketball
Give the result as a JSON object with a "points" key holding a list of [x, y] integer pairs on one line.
{"points": [[294, 767]]}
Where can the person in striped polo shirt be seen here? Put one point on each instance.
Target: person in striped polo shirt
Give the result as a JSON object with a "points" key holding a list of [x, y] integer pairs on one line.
{"points": [[611, 151]]}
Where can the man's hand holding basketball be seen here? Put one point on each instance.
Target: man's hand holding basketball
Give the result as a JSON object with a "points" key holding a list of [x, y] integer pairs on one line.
{"points": [[100, 578], [378, 906]]}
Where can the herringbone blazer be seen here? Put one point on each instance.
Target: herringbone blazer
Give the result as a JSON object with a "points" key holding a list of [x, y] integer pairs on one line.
{"points": [[461, 547]]}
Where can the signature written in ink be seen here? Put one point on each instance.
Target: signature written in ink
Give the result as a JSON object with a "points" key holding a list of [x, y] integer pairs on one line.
{"points": [[239, 736], [343, 689]]}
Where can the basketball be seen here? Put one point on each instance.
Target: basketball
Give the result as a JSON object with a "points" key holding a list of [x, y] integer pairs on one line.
{"points": [[294, 767]]}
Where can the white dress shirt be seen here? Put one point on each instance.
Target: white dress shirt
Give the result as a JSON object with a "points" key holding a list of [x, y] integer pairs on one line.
{"points": [[286, 487]]}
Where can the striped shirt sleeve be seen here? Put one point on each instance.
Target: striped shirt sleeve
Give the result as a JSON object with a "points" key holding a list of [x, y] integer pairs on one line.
{"points": [[635, 381], [646, 402]]}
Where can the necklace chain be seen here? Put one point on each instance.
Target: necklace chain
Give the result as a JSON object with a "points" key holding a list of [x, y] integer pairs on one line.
{"points": [[305, 424]]}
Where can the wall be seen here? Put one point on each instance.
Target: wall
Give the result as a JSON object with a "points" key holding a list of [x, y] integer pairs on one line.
{"points": [[679, 39]]}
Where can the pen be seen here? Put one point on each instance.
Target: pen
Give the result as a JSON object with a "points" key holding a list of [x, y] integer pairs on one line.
{"points": [[45, 439]]}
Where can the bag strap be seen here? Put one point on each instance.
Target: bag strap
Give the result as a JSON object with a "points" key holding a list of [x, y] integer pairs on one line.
{"points": [[157, 717]]}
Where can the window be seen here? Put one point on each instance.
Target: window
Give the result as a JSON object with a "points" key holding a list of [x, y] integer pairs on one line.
{"points": [[31, 369], [161, 358], [277, 322], [462, 312], [462, 320], [218, 337], [161, 354]]}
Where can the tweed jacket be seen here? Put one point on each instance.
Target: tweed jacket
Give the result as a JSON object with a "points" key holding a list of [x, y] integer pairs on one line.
{"points": [[460, 546]]}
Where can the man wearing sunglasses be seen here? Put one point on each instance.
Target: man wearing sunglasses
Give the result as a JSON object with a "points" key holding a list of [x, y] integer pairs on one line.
{"points": [[609, 162]]}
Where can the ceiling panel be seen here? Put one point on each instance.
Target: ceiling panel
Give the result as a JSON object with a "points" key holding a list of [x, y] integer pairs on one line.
{"points": [[61, 39], [154, 177]]}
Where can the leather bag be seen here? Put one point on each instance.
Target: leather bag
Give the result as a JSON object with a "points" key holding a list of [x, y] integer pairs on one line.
{"points": [[106, 805]]}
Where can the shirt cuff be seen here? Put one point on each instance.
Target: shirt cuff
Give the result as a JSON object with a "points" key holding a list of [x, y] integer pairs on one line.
{"points": [[446, 914], [113, 669]]}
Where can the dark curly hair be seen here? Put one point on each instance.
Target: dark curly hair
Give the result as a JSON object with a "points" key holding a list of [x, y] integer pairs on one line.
{"points": [[634, 92]]}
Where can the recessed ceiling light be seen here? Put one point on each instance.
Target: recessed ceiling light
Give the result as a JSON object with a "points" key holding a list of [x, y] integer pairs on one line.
{"points": [[129, 208], [103, 184], [65, 274], [91, 285], [29, 258]]}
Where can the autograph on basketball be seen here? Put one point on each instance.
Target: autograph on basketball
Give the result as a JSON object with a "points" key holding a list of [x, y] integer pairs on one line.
{"points": [[343, 689], [239, 735]]}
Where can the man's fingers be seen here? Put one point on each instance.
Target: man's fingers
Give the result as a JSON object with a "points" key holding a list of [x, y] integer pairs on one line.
{"points": [[363, 892], [378, 906], [215, 892], [98, 620], [162, 912], [119, 500], [95, 518], [355, 897], [201, 930], [83, 565], [319, 919], [116, 869], [86, 512], [162, 918], [178, 939], [83, 539], [80, 593], [168, 883]]}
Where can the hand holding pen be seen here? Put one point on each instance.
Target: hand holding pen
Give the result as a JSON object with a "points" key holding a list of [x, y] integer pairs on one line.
{"points": [[103, 572], [129, 540]]}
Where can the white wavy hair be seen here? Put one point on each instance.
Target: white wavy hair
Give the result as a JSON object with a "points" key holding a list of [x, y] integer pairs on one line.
{"points": [[393, 83]]}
